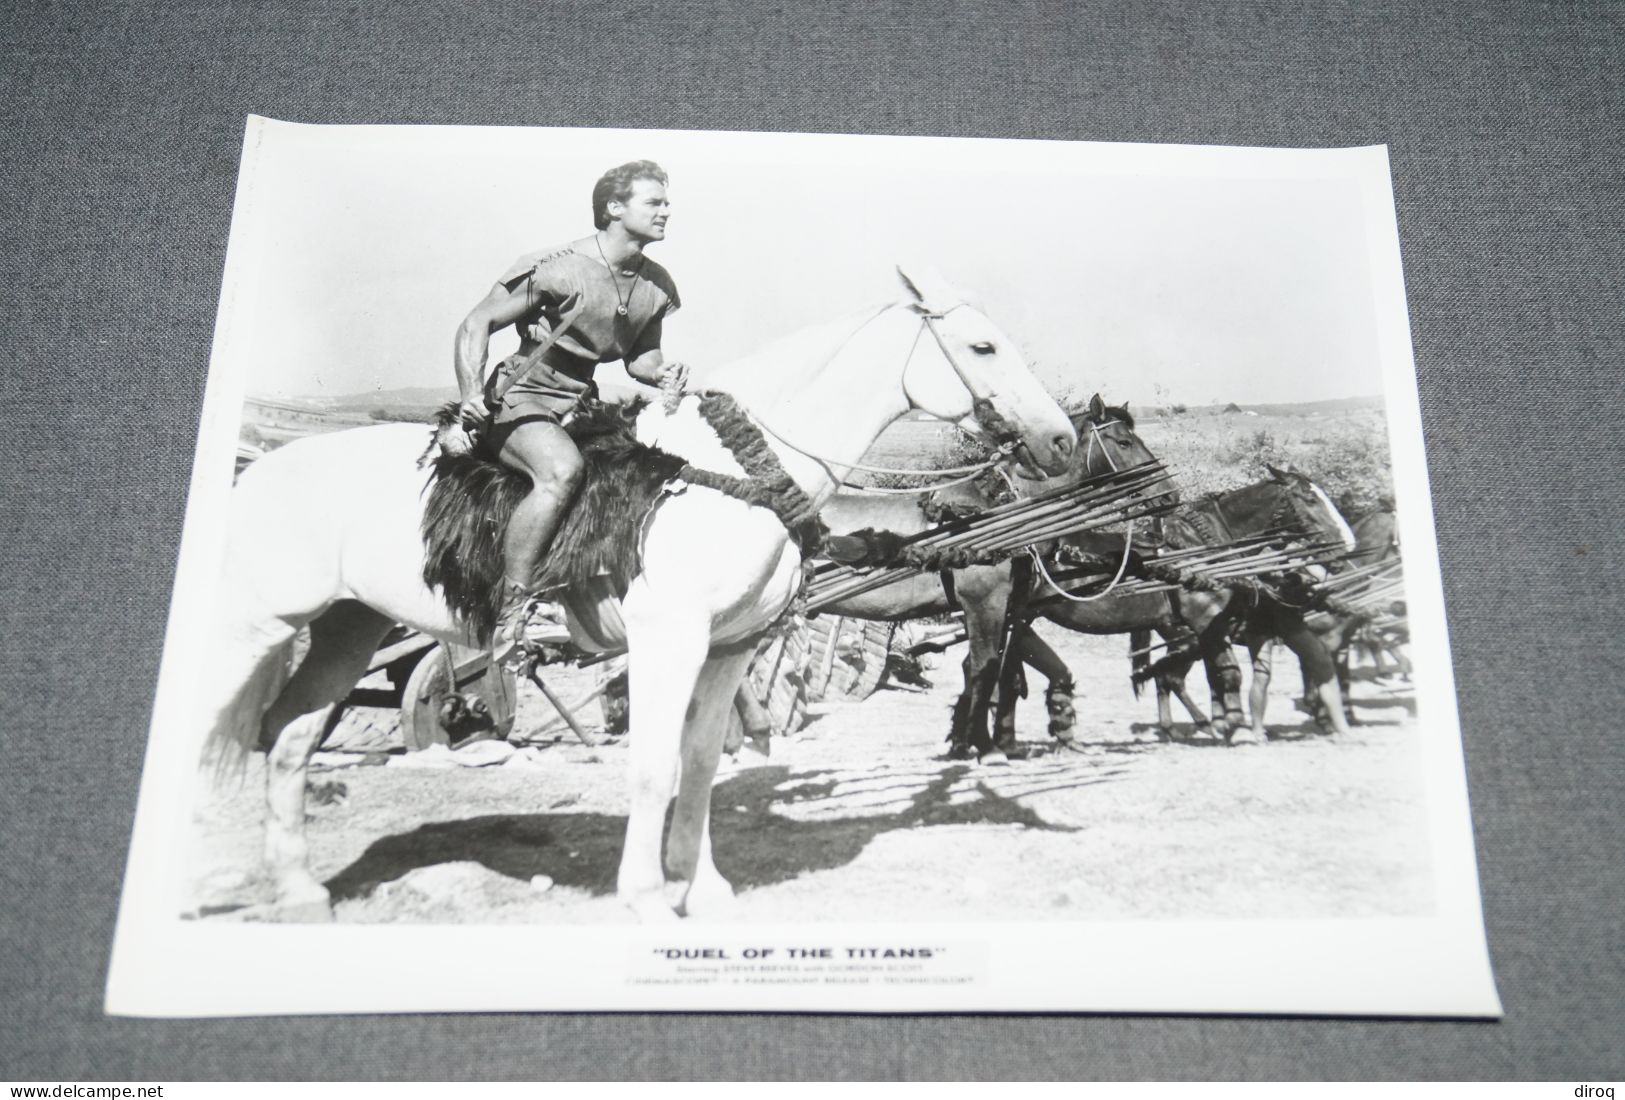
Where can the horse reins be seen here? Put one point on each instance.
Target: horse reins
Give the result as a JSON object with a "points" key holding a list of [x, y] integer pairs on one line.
{"points": [[1128, 540], [981, 404], [1094, 441]]}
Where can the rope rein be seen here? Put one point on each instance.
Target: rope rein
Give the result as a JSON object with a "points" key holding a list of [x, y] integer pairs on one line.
{"points": [[1128, 541], [767, 484], [887, 550], [1004, 451], [1122, 567]]}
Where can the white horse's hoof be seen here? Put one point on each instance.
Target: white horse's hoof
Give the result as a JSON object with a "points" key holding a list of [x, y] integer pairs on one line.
{"points": [[994, 759], [709, 901], [306, 907], [652, 910], [1246, 737]]}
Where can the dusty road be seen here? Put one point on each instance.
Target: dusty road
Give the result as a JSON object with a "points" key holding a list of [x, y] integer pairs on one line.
{"points": [[860, 817]]}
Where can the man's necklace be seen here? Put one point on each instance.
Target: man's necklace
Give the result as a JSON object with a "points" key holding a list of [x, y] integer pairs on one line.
{"points": [[622, 304]]}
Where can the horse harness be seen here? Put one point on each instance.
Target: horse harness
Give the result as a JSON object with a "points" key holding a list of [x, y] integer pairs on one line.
{"points": [[766, 484], [1006, 437]]}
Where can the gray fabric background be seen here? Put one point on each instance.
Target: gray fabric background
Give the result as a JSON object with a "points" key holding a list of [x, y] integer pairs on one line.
{"points": [[122, 125]]}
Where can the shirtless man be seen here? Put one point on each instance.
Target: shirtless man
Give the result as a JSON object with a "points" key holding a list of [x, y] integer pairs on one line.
{"points": [[611, 299]]}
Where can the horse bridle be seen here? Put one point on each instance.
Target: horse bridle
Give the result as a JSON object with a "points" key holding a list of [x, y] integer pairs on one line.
{"points": [[982, 412], [1128, 538], [1095, 441], [1298, 519]]}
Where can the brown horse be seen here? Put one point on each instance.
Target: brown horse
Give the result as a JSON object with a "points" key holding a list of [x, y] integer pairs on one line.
{"points": [[1196, 625], [1375, 542], [1138, 616], [988, 595]]}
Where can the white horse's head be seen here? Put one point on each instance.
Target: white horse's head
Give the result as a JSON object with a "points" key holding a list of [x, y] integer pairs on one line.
{"points": [[972, 374]]}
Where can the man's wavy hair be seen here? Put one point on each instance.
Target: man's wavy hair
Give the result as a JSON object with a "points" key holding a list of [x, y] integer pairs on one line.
{"points": [[615, 185]]}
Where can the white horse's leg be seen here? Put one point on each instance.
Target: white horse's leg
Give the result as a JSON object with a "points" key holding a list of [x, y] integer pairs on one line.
{"points": [[247, 667], [298, 896], [688, 848], [342, 641], [667, 648]]}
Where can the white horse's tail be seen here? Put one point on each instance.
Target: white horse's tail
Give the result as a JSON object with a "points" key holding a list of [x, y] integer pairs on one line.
{"points": [[234, 724]]}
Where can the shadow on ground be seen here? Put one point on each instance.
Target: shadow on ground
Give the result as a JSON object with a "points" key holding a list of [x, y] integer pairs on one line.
{"points": [[754, 845], [1407, 703]]}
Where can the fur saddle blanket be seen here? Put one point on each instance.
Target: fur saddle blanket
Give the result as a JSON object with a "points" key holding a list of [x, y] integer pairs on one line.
{"points": [[472, 497]]}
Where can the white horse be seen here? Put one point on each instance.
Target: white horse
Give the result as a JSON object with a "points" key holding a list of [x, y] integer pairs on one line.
{"points": [[325, 532]]}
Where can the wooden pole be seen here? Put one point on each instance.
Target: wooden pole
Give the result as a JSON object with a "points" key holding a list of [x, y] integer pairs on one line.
{"points": [[564, 712]]}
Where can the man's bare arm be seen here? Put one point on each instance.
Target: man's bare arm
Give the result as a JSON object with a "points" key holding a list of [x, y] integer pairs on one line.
{"points": [[498, 309], [648, 368]]}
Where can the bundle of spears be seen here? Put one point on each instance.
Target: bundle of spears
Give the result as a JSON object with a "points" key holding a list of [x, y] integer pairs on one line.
{"points": [[1254, 560], [991, 536], [1372, 592], [1375, 592]]}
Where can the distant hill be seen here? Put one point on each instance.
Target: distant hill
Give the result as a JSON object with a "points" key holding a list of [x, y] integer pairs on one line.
{"points": [[418, 403], [1307, 408], [409, 403], [404, 395], [1285, 408], [269, 422]]}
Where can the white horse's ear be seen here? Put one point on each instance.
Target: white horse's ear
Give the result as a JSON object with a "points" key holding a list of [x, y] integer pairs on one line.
{"points": [[931, 291]]}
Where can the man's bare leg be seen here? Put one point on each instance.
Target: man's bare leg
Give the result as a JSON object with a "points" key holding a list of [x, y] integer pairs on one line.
{"points": [[544, 453]]}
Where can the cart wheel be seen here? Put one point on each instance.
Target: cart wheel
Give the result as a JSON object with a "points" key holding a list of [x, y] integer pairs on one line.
{"points": [[436, 710], [499, 687], [848, 659], [777, 678], [822, 643], [353, 729], [360, 729], [863, 661]]}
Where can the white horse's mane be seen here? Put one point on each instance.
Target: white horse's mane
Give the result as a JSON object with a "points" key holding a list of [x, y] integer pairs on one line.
{"points": [[799, 351]]}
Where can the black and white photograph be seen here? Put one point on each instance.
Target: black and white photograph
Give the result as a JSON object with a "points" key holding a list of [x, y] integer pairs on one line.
{"points": [[804, 573]]}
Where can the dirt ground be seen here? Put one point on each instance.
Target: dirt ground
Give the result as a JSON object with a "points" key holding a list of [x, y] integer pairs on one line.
{"points": [[860, 817]]}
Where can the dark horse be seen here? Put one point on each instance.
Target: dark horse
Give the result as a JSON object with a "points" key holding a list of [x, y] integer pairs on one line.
{"points": [[990, 595], [1375, 543], [1196, 624]]}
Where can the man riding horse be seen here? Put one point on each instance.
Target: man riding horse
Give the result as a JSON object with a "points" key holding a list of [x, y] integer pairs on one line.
{"points": [[591, 301]]}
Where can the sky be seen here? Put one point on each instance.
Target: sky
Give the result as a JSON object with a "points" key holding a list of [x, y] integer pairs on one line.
{"points": [[1149, 273]]}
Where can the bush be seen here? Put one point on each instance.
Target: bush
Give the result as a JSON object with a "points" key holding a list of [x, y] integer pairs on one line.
{"points": [[1346, 453], [1347, 456]]}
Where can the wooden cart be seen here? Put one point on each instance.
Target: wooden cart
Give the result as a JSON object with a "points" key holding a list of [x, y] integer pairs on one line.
{"points": [[437, 688], [432, 686], [817, 663]]}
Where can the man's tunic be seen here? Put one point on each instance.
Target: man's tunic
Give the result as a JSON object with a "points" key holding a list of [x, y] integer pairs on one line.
{"points": [[556, 281]]}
